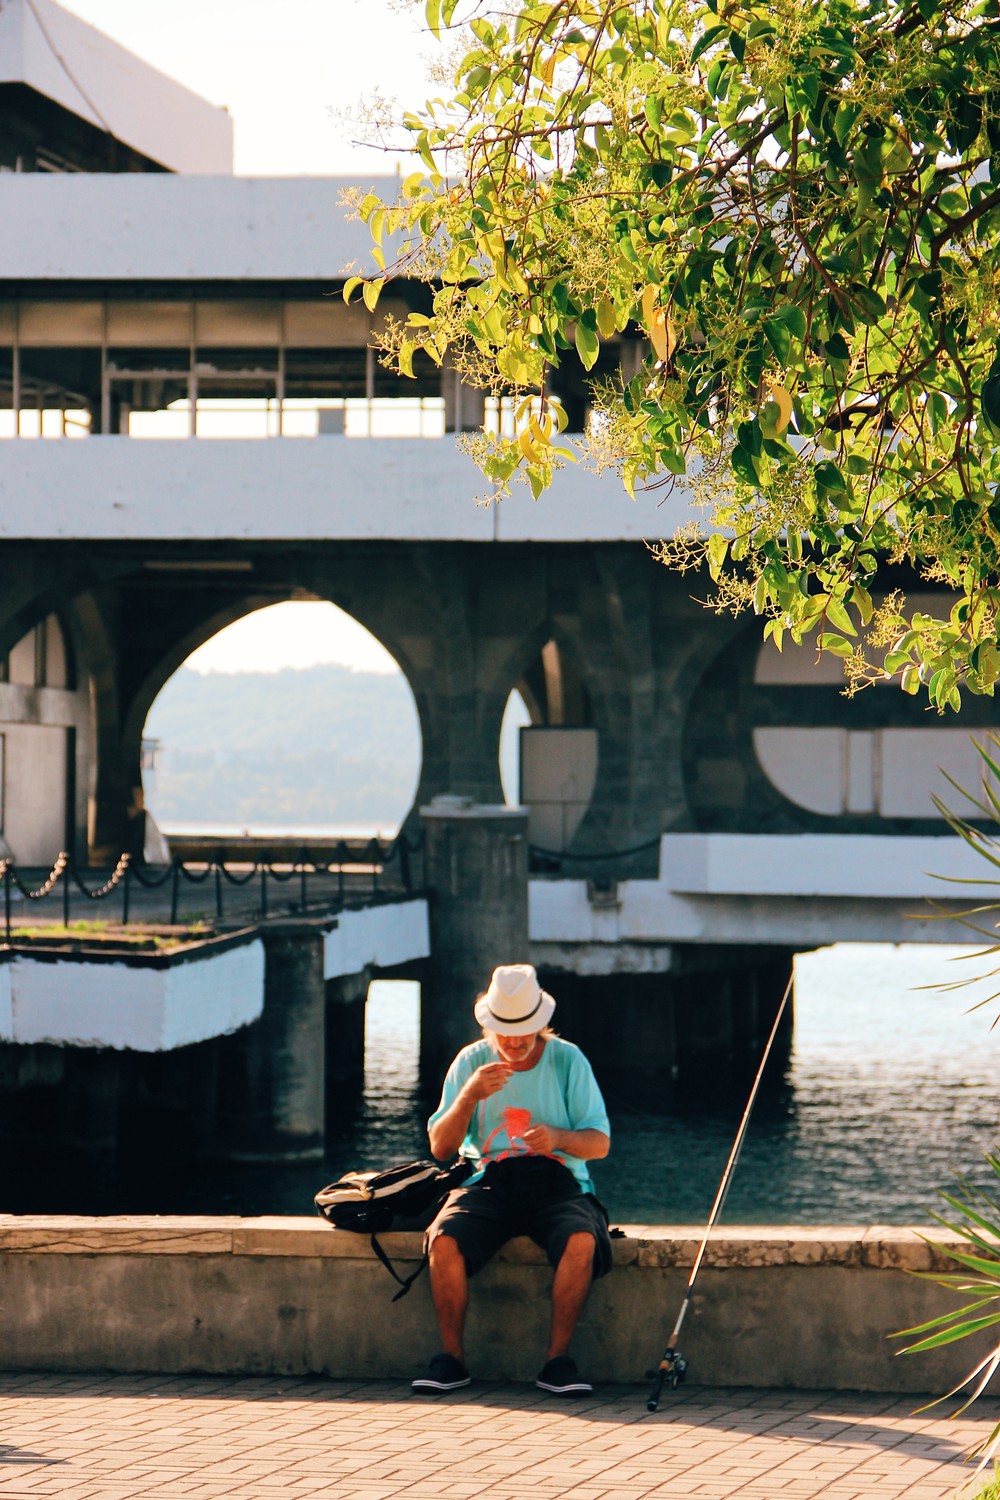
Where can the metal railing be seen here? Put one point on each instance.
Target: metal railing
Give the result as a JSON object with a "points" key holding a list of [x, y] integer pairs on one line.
{"points": [[360, 871]]}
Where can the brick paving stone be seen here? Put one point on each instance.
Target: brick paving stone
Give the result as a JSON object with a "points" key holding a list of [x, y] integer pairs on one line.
{"points": [[105, 1437]]}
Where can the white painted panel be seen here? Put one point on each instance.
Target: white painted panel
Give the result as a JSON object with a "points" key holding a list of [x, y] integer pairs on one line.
{"points": [[808, 766], [551, 825], [56, 660], [819, 864], [380, 936], [88, 1005], [139, 1009], [913, 762], [558, 768], [557, 765], [863, 747], [22, 665], [35, 791], [80, 68], [329, 488], [6, 1004], [133, 226], [213, 996]]}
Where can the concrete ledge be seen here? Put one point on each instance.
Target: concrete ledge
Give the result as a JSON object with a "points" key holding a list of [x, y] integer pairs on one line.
{"points": [[807, 1308], [141, 1002]]}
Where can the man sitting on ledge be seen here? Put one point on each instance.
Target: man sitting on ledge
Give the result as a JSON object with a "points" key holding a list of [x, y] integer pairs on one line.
{"points": [[524, 1108]]}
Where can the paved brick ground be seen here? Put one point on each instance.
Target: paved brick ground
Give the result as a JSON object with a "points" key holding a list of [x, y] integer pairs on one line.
{"points": [[93, 1437]]}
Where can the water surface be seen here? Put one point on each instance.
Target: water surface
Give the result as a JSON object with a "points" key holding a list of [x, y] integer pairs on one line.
{"points": [[890, 1091]]}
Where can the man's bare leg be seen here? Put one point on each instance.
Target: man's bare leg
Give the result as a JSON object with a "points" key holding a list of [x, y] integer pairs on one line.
{"points": [[450, 1291], [573, 1278]]}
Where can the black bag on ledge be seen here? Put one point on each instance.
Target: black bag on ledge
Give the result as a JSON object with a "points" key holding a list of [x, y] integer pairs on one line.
{"points": [[403, 1197]]}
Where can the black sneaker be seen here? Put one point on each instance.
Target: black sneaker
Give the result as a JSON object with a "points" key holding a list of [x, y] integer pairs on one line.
{"points": [[444, 1373], [560, 1376]]}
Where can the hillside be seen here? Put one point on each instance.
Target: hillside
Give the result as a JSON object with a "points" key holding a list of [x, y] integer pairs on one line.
{"points": [[318, 745]]}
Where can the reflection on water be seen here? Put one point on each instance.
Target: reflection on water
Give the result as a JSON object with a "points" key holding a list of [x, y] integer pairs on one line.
{"points": [[890, 1090]]}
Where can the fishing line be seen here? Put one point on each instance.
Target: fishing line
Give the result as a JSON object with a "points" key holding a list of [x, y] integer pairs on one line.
{"points": [[673, 1367]]}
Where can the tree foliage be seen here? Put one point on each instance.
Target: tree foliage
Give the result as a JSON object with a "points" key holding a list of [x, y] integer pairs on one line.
{"points": [[798, 208]]}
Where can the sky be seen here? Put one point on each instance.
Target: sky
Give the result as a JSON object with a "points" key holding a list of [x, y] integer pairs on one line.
{"points": [[287, 70], [298, 635], [281, 67]]}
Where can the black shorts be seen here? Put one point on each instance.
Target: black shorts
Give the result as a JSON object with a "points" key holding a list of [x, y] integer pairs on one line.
{"points": [[532, 1195]]}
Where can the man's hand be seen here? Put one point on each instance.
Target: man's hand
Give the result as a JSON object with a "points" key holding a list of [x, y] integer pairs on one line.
{"points": [[542, 1139], [587, 1145], [448, 1133], [487, 1080]]}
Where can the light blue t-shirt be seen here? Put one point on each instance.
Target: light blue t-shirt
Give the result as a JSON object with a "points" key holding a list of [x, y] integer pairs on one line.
{"points": [[560, 1090]]}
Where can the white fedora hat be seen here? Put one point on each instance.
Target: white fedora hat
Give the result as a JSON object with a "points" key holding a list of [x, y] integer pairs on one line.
{"points": [[515, 1003]]}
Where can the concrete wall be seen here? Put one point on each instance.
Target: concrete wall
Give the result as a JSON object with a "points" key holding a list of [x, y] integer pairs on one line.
{"points": [[140, 1002], [809, 1308], [799, 890], [145, 109], [158, 1002], [332, 488]]}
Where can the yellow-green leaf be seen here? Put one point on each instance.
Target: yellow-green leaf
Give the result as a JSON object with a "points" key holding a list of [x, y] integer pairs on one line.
{"points": [[588, 345], [658, 335], [372, 292], [606, 322], [405, 360]]}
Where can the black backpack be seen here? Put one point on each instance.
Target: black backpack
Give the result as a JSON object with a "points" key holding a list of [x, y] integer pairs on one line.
{"points": [[403, 1197]]}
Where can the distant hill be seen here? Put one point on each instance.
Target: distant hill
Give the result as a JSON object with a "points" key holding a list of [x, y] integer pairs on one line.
{"points": [[315, 745]]}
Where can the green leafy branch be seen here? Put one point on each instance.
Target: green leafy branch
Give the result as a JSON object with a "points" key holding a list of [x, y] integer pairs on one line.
{"points": [[798, 211]]}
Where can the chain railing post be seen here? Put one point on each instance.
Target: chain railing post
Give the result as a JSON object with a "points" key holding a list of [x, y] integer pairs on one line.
{"points": [[303, 891], [263, 890], [8, 876], [126, 893], [66, 893], [218, 891]]}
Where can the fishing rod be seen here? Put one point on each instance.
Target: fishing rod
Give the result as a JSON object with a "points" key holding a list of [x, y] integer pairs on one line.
{"points": [[673, 1367]]}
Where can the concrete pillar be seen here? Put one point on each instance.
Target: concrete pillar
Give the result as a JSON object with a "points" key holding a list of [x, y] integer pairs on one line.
{"points": [[706, 1031], [346, 998], [625, 1023], [464, 405], [725, 1013], [90, 1100], [476, 871], [272, 1074]]}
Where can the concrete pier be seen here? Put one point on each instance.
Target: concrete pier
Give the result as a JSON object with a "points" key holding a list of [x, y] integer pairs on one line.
{"points": [[706, 1018], [808, 1309], [346, 999], [476, 873], [272, 1084]]}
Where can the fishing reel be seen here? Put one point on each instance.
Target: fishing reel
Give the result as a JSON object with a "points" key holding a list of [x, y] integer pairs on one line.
{"points": [[670, 1372]]}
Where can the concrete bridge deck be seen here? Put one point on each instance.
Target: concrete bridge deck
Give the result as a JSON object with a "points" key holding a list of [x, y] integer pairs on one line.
{"points": [[108, 1437]]}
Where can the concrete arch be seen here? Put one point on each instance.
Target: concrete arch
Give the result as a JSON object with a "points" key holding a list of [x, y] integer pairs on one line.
{"points": [[728, 788], [158, 676]]}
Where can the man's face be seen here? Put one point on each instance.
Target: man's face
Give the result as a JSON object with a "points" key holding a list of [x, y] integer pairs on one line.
{"points": [[517, 1049]]}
